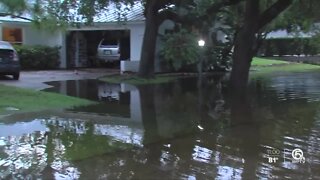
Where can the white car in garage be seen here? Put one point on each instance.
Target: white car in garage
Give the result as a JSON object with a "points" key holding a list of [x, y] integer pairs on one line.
{"points": [[109, 50]]}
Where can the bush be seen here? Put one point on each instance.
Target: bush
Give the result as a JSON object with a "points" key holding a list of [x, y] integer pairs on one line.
{"points": [[219, 56], [180, 50], [38, 57], [290, 46]]}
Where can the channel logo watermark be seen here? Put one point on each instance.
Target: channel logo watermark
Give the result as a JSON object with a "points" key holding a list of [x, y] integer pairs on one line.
{"points": [[295, 156]]}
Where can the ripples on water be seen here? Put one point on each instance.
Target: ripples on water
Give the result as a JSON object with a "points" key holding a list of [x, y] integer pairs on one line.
{"points": [[169, 131]]}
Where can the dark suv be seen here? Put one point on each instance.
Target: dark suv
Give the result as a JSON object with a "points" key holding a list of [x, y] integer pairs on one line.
{"points": [[9, 60]]}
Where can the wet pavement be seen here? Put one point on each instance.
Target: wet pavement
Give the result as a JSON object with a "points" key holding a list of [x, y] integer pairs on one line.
{"points": [[180, 130], [36, 79]]}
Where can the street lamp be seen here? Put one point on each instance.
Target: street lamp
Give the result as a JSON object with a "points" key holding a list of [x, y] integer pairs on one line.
{"points": [[201, 43]]}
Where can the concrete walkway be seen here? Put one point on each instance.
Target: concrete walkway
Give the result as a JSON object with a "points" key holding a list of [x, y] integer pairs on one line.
{"points": [[36, 79]]}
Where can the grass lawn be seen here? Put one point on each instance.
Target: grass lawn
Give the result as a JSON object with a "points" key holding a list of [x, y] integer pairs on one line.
{"points": [[135, 80], [14, 100], [266, 62], [267, 66], [259, 66]]}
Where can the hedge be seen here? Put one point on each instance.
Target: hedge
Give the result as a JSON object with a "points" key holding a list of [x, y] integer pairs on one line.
{"points": [[289, 46], [38, 57]]}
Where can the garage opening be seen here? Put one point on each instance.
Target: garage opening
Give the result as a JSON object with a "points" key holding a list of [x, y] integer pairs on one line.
{"points": [[83, 48]]}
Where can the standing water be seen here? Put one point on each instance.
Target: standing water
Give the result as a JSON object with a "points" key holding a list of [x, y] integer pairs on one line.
{"points": [[178, 130]]}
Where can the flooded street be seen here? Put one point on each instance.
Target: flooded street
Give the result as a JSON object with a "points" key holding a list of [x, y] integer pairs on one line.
{"points": [[180, 130]]}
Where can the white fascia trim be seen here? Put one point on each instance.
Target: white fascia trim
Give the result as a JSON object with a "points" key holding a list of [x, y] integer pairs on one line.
{"points": [[107, 26]]}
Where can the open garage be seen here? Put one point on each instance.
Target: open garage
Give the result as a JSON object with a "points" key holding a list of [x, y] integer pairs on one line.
{"points": [[82, 47], [82, 43]]}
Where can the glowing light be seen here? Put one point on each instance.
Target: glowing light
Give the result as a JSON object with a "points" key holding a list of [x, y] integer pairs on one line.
{"points": [[201, 43]]}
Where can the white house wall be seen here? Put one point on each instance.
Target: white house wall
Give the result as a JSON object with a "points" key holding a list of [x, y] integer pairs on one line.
{"points": [[1, 31], [136, 38], [33, 36]]}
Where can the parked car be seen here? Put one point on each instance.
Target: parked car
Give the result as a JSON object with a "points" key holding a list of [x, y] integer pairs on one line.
{"points": [[9, 60], [109, 50]]}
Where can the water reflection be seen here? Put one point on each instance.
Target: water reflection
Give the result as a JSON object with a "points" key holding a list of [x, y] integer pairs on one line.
{"points": [[56, 143], [179, 130]]}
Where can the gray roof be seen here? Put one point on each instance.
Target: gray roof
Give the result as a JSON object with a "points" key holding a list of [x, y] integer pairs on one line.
{"points": [[127, 13], [11, 19], [111, 14]]}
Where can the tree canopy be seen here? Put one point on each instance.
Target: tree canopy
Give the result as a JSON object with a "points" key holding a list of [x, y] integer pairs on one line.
{"points": [[300, 14], [247, 20]]}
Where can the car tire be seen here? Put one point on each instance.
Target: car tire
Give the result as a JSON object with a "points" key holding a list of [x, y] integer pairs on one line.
{"points": [[16, 76]]}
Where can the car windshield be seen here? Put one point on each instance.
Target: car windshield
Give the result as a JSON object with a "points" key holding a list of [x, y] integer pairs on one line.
{"points": [[110, 42]]}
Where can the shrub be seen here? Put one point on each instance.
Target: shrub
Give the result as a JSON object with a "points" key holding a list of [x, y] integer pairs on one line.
{"points": [[290, 46], [180, 49], [182, 53], [38, 57], [219, 56]]}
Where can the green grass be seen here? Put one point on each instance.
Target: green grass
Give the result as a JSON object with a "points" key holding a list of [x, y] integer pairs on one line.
{"points": [[133, 79], [266, 66], [266, 62], [259, 66], [25, 100]]}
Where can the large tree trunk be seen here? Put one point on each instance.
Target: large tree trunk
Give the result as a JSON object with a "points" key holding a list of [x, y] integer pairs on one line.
{"points": [[146, 69], [241, 63], [244, 47], [246, 39]]}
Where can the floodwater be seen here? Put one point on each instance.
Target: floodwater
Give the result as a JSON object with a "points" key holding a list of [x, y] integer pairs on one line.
{"points": [[181, 130]]}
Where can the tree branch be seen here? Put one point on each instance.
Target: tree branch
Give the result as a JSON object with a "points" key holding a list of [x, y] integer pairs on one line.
{"points": [[216, 7], [272, 12], [15, 16], [168, 14]]}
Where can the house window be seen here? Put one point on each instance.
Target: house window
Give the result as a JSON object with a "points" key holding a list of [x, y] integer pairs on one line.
{"points": [[12, 35]]}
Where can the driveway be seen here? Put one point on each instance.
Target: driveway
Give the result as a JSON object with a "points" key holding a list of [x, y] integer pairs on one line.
{"points": [[36, 79]]}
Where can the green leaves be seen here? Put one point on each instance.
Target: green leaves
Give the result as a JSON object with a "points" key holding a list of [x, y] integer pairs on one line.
{"points": [[38, 57], [180, 48], [60, 14], [13, 6], [291, 46]]}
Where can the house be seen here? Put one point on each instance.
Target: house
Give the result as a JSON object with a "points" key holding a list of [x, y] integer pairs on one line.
{"points": [[78, 45], [128, 26], [21, 31], [296, 46]]}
